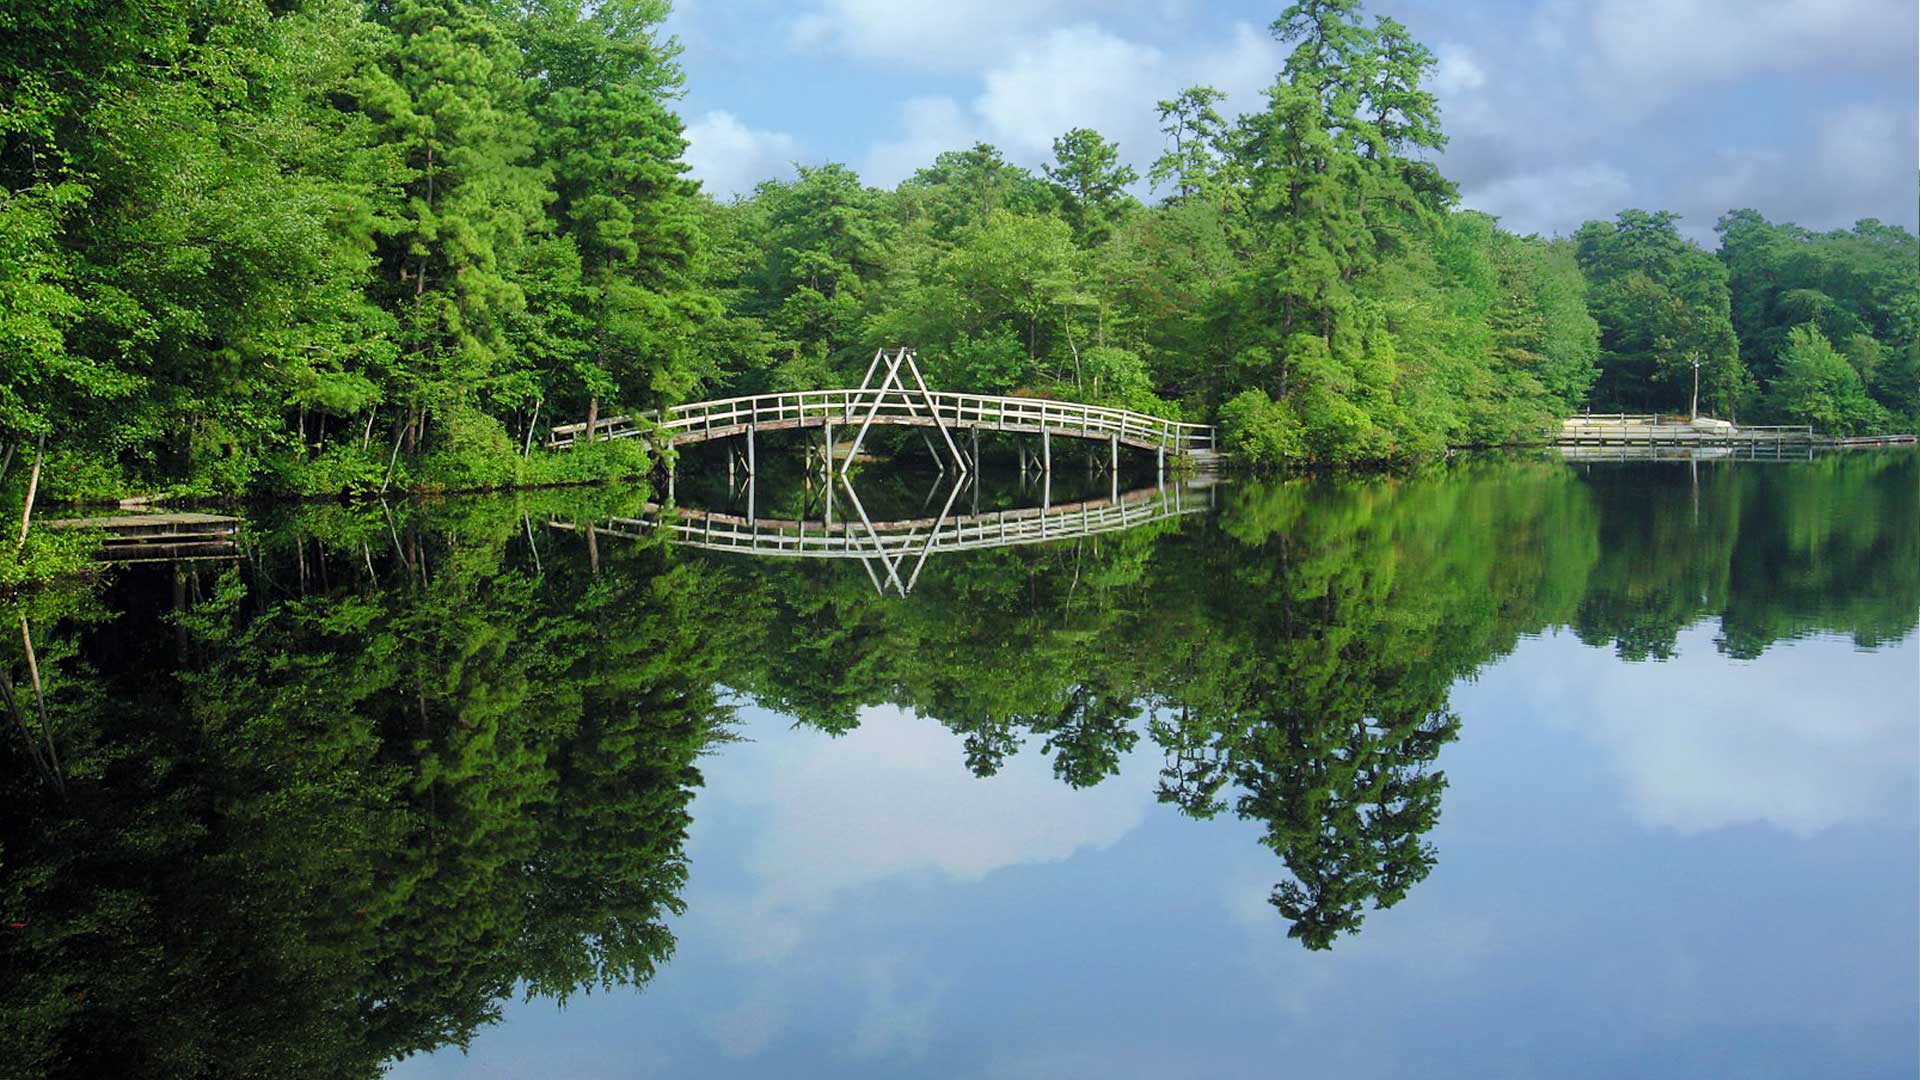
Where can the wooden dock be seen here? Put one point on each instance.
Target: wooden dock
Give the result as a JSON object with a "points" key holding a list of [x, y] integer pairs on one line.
{"points": [[142, 538], [1651, 430]]}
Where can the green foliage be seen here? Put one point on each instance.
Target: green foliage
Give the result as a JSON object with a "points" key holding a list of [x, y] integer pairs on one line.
{"points": [[254, 247], [1859, 288], [1663, 306], [1816, 385], [237, 239], [1264, 432], [1092, 182], [313, 829]]}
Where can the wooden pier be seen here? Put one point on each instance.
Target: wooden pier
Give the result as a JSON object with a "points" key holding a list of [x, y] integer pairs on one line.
{"points": [[1656, 431], [143, 538]]}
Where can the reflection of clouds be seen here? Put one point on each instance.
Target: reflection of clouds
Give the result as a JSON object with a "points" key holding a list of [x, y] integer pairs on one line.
{"points": [[1814, 734], [891, 797], [817, 818], [897, 1017]]}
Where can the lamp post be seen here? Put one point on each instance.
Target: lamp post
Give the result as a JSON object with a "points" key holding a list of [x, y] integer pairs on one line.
{"points": [[1696, 386]]}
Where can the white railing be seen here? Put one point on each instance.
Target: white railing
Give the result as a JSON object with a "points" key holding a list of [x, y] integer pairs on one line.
{"points": [[699, 421], [1648, 429]]}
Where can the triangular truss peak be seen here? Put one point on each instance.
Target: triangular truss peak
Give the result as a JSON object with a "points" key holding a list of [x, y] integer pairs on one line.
{"points": [[892, 383]]}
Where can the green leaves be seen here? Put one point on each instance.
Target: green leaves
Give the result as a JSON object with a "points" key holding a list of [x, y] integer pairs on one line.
{"points": [[1816, 385]]}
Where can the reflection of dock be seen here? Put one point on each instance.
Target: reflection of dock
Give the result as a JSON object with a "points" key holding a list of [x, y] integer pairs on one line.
{"points": [[135, 538], [889, 544], [1751, 452]]}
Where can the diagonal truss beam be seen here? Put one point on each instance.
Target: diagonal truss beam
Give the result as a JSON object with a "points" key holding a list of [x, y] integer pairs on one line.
{"points": [[888, 383], [926, 395], [893, 373]]}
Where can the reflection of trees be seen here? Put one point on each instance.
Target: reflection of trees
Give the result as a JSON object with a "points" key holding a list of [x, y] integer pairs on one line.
{"points": [[1293, 663], [370, 783], [1293, 666], [342, 823], [1773, 551]]}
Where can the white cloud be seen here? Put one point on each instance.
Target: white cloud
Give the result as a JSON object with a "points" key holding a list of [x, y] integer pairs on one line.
{"points": [[1081, 76], [1456, 71], [928, 126], [953, 35], [729, 157], [1856, 163], [1650, 46], [1076, 76]]}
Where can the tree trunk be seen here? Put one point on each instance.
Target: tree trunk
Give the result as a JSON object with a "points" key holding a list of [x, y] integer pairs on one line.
{"points": [[399, 433], [593, 415], [33, 489]]}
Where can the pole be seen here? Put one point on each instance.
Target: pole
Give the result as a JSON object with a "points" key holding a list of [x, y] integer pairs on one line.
{"points": [[1696, 389], [750, 457], [1046, 450]]}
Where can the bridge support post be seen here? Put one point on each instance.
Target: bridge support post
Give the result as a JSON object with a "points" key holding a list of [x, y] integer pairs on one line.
{"points": [[1160, 463], [750, 459], [1113, 453], [1046, 450], [829, 449]]}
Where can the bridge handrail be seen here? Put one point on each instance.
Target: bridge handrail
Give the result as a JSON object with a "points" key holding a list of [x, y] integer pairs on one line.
{"points": [[805, 404]]}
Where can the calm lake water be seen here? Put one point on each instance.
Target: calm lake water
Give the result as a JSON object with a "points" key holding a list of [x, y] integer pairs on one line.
{"points": [[1507, 768]]}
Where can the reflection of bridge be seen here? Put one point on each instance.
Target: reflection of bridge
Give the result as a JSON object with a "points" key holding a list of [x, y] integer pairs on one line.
{"points": [[889, 545], [889, 401]]}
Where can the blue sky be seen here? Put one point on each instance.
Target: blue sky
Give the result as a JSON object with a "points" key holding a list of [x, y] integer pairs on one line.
{"points": [[1558, 110]]}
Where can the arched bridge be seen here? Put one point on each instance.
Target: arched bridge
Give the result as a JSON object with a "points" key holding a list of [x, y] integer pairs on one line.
{"points": [[891, 401]]}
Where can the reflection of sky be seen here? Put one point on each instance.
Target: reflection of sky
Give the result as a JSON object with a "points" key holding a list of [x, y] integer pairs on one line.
{"points": [[1704, 867]]}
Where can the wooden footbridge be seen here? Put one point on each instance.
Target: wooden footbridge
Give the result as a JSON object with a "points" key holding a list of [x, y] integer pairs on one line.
{"points": [[890, 401], [886, 548]]}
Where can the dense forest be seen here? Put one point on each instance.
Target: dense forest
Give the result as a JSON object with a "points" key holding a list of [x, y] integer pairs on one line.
{"points": [[326, 246], [333, 804]]}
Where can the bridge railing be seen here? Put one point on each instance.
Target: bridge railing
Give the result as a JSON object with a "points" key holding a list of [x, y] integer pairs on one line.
{"points": [[702, 420]]}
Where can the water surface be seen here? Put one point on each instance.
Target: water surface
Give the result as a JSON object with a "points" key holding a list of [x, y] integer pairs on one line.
{"points": [[1514, 767]]}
